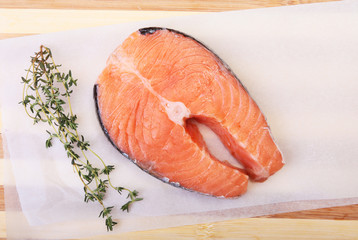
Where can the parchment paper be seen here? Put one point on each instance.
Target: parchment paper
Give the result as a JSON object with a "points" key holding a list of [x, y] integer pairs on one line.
{"points": [[299, 63]]}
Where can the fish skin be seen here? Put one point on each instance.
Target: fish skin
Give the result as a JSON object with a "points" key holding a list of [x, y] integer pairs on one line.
{"points": [[210, 122], [165, 180]]}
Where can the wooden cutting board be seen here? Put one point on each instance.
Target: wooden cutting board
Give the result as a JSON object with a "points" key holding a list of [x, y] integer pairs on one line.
{"points": [[21, 18]]}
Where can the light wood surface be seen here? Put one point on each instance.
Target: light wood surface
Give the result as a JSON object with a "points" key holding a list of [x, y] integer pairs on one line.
{"points": [[253, 228], [152, 5], [22, 18]]}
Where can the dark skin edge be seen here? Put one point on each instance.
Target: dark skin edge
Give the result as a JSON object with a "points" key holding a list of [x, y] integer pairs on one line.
{"points": [[148, 31]]}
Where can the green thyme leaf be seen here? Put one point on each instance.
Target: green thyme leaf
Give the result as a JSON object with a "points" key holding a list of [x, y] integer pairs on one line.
{"points": [[46, 98]]}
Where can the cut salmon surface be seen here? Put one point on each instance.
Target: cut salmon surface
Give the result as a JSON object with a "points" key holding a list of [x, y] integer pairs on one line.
{"points": [[153, 86]]}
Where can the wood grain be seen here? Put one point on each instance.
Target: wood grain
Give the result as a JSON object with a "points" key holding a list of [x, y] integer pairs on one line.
{"points": [[32, 21], [349, 212], [21, 18], [253, 228], [166, 5], [2, 200], [13, 35], [1, 148], [2, 225]]}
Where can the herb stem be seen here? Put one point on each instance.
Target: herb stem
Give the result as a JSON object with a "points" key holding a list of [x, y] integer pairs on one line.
{"points": [[44, 84], [87, 187]]}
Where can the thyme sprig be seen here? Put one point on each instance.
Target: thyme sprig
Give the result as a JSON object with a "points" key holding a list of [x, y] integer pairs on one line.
{"points": [[46, 92]]}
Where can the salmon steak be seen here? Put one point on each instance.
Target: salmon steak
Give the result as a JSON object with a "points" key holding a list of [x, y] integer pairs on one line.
{"points": [[155, 85]]}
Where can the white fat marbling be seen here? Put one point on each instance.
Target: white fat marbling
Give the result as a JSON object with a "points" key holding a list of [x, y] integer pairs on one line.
{"points": [[177, 112]]}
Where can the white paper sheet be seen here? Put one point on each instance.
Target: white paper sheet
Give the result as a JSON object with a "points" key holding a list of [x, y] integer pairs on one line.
{"points": [[300, 65]]}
